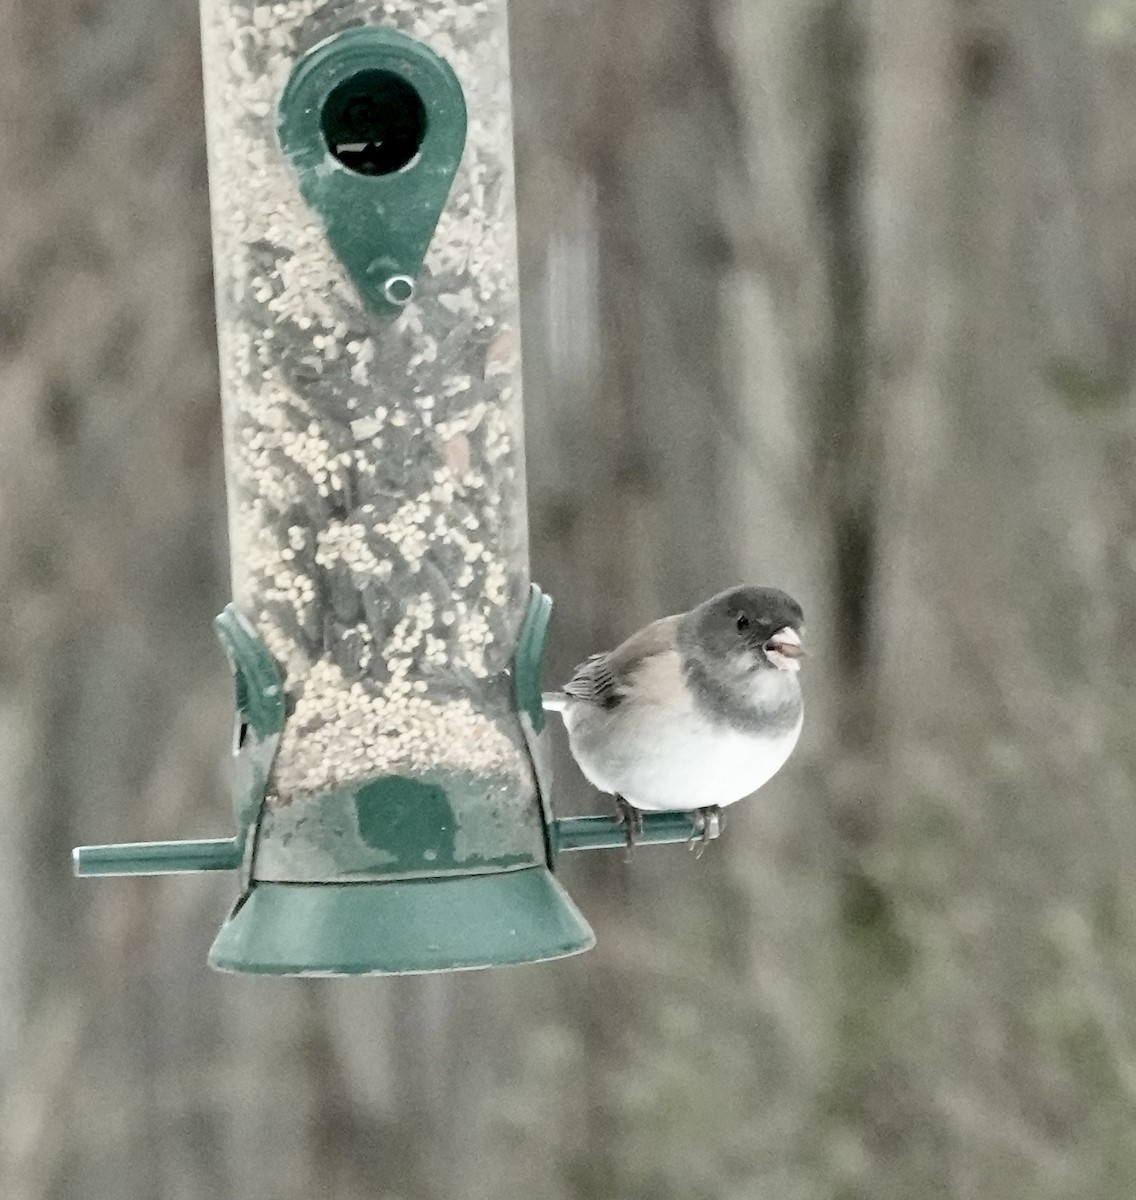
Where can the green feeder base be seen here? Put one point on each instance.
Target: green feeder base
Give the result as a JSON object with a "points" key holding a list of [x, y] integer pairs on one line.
{"points": [[403, 927]]}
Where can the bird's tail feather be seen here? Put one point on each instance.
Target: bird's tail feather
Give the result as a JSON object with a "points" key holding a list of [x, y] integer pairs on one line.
{"points": [[554, 701]]}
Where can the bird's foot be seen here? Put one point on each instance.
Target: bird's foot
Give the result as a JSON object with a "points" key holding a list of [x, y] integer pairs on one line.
{"points": [[709, 823], [631, 819]]}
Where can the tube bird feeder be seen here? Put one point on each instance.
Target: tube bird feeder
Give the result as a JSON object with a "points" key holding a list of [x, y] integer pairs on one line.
{"points": [[390, 779]]}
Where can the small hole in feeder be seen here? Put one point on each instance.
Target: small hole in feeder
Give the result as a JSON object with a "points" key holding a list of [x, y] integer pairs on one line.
{"points": [[399, 289], [374, 123]]}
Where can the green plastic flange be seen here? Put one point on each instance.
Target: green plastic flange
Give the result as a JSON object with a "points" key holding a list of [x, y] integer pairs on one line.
{"points": [[529, 657], [256, 677], [260, 711], [373, 124], [528, 661]]}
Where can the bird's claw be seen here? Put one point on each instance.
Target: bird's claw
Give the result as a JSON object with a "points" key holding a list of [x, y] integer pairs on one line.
{"points": [[631, 819], [708, 823]]}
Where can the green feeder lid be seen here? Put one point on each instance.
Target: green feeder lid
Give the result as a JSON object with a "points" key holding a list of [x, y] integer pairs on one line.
{"points": [[402, 927]]}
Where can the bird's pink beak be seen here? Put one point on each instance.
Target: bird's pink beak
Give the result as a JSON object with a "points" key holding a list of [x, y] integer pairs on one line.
{"points": [[784, 649]]}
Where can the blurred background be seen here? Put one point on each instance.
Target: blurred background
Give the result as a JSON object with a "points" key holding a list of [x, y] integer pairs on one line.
{"points": [[833, 295]]}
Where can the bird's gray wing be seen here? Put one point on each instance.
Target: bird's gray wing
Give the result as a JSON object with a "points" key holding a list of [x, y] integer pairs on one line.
{"points": [[603, 679], [594, 681]]}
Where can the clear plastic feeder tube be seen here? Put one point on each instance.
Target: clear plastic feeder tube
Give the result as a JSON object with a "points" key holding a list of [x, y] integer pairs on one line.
{"points": [[374, 466]]}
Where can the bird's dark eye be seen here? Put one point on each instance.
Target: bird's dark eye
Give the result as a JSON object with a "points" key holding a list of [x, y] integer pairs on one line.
{"points": [[742, 622]]}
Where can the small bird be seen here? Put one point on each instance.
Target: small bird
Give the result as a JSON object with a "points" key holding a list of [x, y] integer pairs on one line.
{"points": [[693, 712]]}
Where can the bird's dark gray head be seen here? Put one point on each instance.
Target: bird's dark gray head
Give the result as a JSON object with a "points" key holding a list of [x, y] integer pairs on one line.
{"points": [[760, 627]]}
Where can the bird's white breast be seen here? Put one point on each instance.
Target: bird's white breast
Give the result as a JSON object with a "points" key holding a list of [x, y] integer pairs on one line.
{"points": [[668, 756]]}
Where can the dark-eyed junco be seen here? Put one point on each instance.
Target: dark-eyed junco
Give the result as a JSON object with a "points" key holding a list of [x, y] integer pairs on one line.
{"points": [[694, 711]]}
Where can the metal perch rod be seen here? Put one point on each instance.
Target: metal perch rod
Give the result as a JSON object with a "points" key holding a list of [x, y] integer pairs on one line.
{"points": [[223, 854], [158, 858]]}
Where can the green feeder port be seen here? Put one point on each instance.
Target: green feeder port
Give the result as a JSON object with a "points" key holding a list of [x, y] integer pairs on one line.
{"points": [[373, 124]]}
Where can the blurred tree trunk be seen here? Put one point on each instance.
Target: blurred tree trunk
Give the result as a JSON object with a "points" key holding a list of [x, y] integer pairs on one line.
{"points": [[834, 295]]}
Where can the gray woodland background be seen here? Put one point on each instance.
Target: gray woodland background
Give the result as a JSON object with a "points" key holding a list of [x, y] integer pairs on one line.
{"points": [[836, 295]]}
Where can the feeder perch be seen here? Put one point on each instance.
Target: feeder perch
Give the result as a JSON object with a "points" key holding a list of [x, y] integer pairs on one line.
{"points": [[390, 767]]}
